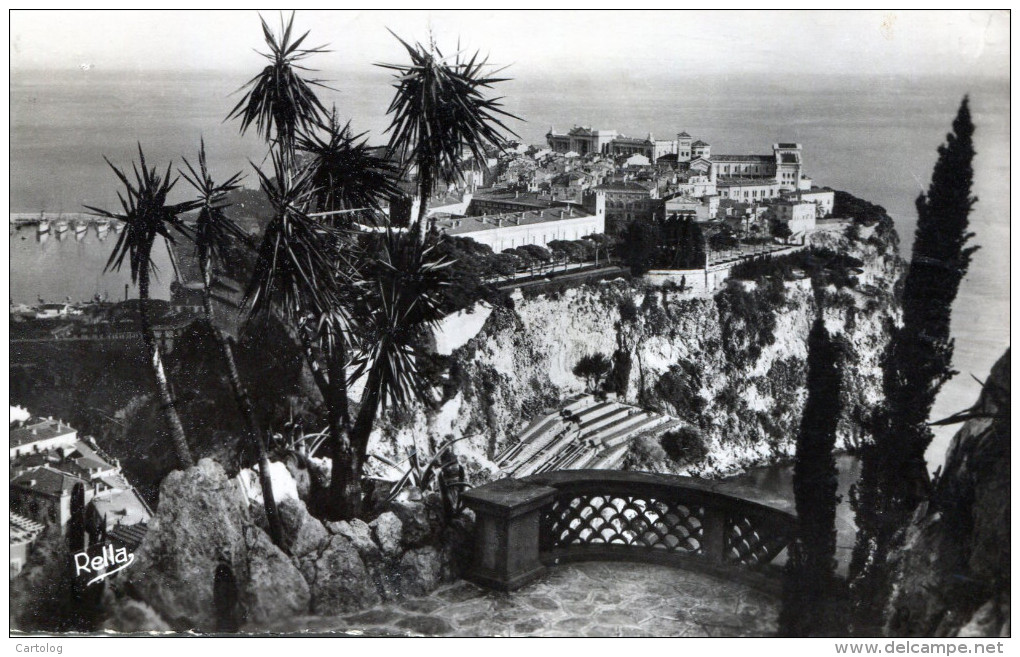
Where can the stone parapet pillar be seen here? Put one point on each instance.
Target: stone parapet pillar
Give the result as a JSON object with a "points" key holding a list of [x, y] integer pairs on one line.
{"points": [[506, 532]]}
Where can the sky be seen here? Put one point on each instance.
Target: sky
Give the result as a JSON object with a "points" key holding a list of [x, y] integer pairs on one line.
{"points": [[956, 43]]}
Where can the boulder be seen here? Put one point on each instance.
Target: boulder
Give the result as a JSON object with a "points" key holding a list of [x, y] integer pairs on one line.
{"points": [[388, 532], [420, 519], [301, 532], [284, 485], [128, 615], [203, 527], [360, 535], [274, 587], [338, 578]]}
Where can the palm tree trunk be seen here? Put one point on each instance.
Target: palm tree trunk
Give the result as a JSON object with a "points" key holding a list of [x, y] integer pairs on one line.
{"points": [[247, 410], [162, 384], [348, 468], [346, 495]]}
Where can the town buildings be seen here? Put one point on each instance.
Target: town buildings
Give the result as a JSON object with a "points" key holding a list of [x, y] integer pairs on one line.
{"points": [[506, 220], [48, 460]]}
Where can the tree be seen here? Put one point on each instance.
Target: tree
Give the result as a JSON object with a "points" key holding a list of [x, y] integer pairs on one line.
{"points": [[147, 217], [279, 102], [347, 176], [592, 368], [214, 234], [679, 387], [809, 586], [781, 230], [894, 475], [639, 247], [439, 113]]}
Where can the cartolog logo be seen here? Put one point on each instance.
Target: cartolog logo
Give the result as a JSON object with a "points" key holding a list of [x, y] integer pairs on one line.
{"points": [[103, 565]]}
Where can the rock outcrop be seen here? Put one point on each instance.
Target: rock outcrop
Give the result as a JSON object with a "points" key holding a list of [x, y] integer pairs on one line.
{"points": [[203, 534], [743, 350], [952, 575], [208, 564]]}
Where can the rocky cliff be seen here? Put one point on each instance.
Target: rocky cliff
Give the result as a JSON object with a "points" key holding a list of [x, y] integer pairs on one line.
{"points": [[731, 365], [952, 575]]}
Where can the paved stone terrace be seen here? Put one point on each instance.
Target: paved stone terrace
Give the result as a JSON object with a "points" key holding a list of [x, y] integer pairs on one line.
{"points": [[583, 600]]}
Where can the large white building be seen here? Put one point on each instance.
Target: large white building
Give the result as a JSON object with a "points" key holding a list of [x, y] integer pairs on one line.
{"points": [[510, 223]]}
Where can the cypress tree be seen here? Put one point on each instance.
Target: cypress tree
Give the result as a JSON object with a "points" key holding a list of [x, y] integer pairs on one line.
{"points": [[808, 590], [894, 475]]}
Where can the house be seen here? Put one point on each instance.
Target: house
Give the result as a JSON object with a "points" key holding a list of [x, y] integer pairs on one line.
{"points": [[798, 215], [823, 197], [627, 201], [44, 494], [40, 436]]}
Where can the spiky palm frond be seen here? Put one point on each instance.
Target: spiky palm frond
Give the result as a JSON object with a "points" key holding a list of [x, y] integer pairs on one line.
{"points": [[299, 259], [214, 231], [279, 101], [439, 112], [402, 300], [346, 173], [145, 214]]}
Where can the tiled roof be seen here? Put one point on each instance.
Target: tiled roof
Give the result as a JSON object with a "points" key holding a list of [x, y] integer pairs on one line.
{"points": [[699, 143], [47, 481], [39, 430], [129, 536], [624, 187], [683, 135]]}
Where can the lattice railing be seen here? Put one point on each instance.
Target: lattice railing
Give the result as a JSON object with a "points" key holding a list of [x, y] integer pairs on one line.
{"points": [[631, 520], [609, 514], [753, 540]]}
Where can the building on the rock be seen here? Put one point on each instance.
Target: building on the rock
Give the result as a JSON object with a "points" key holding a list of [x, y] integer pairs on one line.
{"points": [[823, 197], [747, 189], [798, 215], [41, 435], [627, 201], [506, 221]]}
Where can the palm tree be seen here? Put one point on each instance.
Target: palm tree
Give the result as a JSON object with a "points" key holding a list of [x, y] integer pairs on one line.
{"points": [[348, 177], [439, 112], [213, 234], [147, 216], [279, 102]]}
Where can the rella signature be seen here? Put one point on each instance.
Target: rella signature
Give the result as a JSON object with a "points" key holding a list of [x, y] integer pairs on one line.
{"points": [[110, 561]]}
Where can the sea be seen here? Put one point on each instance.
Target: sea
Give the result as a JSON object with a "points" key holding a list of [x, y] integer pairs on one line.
{"points": [[873, 136]]}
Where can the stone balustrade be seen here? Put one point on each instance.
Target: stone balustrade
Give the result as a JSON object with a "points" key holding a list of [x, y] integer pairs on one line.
{"points": [[525, 525]]}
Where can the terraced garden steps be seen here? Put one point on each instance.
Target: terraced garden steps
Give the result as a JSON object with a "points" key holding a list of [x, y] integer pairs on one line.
{"points": [[596, 434]]}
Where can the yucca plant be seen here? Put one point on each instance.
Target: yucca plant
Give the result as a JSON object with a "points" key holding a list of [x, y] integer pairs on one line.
{"points": [[439, 113], [349, 178], [213, 234], [401, 300], [279, 102], [148, 216]]}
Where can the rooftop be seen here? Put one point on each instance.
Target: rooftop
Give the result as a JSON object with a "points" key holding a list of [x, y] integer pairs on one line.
{"points": [[739, 182], [473, 224], [624, 187], [129, 536], [743, 158], [47, 481], [40, 430], [507, 196], [123, 507]]}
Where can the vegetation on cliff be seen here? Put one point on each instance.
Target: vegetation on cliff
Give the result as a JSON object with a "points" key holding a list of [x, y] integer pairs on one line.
{"points": [[917, 363]]}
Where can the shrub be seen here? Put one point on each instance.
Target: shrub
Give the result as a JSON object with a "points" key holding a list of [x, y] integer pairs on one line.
{"points": [[685, 446]]}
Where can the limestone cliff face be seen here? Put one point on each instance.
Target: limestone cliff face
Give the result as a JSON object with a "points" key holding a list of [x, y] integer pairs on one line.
{"points": [[740, 351], [952, 578]]}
